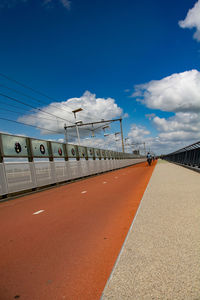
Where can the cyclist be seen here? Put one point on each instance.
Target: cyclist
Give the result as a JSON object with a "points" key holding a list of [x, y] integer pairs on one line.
{"points": [[149, 158]]}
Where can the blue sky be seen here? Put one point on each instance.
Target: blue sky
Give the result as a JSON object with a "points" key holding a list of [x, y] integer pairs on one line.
{"points": [[111, 49]]}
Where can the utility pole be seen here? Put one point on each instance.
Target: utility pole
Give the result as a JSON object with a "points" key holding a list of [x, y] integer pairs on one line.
{"points": [[122, 135], [65, 128], [76, 123], [99, 122]]}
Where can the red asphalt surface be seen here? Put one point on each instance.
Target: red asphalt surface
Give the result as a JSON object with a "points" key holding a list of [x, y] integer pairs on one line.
{"points": [[68, 250]]}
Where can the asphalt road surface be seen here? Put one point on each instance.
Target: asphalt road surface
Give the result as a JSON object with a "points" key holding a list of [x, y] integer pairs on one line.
{"points": [[62, 243]]}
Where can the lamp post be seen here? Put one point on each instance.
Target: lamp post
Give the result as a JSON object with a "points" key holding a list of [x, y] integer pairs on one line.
{"points": [[66, 139], [122, 135], [105, 127], [77, 122]]}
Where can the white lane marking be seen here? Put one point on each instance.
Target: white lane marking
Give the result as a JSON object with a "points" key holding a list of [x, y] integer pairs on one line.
{"points": [[38, 212], [104, 182], [83, 192]]}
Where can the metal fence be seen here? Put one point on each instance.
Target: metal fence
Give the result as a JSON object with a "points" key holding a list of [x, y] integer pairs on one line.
{"points": [[27, 163], [189, 155]]}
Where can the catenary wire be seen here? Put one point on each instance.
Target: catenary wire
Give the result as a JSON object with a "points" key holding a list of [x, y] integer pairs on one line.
{"points": [[22, 123], [42, 128], [42, 94], [33, 90], [29, 105], [33, 98], [19, 101]]}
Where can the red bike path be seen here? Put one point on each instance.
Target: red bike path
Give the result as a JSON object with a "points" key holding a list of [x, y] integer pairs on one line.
{"points": [[62, 243]]}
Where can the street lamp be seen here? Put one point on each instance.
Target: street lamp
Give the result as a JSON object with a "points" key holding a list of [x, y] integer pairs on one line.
{"points": [[77, 122], [66, 139], [105, 127]]}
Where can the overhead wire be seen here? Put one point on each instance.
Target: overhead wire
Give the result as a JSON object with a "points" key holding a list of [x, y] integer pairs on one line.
{"points": [[18, 122], [30, 116], [29, 105], [34, 90], [39, 101], [33, 98], [22, 109], [23, 123], [38, 127]]}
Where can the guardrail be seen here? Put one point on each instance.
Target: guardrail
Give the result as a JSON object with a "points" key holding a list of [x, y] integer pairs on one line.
{"points": [[28, 164], [189, 155]]}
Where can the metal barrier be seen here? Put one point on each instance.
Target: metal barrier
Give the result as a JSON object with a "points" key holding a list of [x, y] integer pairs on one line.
{"points": [[27, 163], [189, 156]]}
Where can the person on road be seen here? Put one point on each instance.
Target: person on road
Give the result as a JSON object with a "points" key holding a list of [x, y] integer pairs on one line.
{"points": [[149, 158]]}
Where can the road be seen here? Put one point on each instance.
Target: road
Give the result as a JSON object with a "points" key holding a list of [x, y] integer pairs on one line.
{"points": [[62, 243]]}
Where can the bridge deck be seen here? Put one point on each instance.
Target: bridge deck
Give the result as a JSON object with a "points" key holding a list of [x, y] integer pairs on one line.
{"points": [[62, 243], [161, 256]]}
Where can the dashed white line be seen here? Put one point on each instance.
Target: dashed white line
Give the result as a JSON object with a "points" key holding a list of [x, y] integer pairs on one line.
{"points": [[83, 192], [104, 182], [38, 212]]}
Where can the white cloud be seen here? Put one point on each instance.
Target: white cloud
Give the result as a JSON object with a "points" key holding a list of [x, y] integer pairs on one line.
{"points": [[192, 20], [183, 128], [179, 92], [178, 136], [188, 122], [110, 143], [137, 133], [94, 109]]}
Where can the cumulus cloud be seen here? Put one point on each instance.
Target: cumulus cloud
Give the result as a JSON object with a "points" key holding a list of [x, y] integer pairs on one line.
{"points": [[137, 133], [192, 20], [137, 136], [178, 92], [180, 95], [173, 133], [109, 143], [94, 109], [188, 122]]}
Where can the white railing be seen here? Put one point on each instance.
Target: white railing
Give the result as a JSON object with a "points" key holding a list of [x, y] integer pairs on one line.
{"points": [[27, 163], [21, 176]]}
